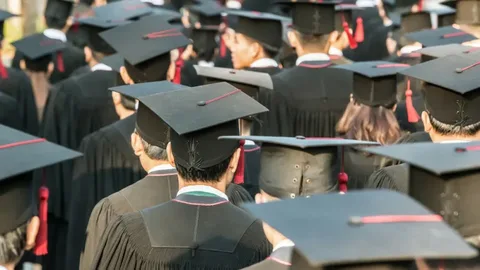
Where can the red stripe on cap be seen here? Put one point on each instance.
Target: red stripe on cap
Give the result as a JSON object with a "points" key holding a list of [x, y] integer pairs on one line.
{"points": [[456, 34], [15, 144], [161, 34], [392, 65], [221, 97], [468, 148], [460, 70], [472, 50], [134, 7], [395, 219]]}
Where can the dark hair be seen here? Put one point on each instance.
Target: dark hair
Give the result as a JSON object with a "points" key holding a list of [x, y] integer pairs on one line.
{"points": [[448, 130], [12, 245], [362, 122], [209, 174], [39, 64], [55, 23], [152, 70], [127, 102], [154, 152], [268, 50], [314, 42]]}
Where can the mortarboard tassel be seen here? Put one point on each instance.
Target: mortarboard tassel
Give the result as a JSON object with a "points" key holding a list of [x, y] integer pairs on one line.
{"points": [[240, 173], [178, 67], [342, 176], [3, 71], [60, 64], [351, 40], [223, 46], [412, 114], [41, 243], [420, 5], [359, 31]]}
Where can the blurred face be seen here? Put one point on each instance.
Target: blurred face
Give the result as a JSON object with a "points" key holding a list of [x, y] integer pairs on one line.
{"points": [[243, 53]]}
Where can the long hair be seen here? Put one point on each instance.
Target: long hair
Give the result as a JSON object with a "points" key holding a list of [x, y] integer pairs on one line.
{"points": [[362, 122]]}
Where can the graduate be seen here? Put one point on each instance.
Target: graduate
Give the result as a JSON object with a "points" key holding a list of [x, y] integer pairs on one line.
{"points": [[9, 116], [167, 235], [365, 234], [23, 227], [294, 103], [450, 112], [257, 41], [58, 20]]}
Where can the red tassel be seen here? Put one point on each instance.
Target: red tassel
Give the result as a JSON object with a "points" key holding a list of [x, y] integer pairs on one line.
{"points": [[359, 31], [60, 66], [223, 46], [420, 5], [351, 40], [3, 71], [240, 173], [342, 176], [412, 114], [178, 67], [41, 243]]}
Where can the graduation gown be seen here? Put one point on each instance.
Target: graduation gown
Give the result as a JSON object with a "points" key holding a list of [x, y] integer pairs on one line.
{"points": [[108, 165], [73, 58], [81, 70], [359, 167], [307, 100], [393, 177], [9, 115], [18, 86], [279, 259], [189, 74], [252, 169], [195, 230], [75, 108]]}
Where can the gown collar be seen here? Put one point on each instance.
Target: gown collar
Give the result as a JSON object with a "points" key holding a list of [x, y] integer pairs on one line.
{"points": [[200, 189], [263, 63], [101, 66], [55, 34], [163, 167], [312, 57]]}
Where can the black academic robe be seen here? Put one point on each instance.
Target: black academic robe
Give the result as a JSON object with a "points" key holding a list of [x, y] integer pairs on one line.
{"points": [[73, 58], [252, 169], [75, 108], [189, 232], [9, 116], [359, 166], [81, 70], [279, 259], [393, 177], [18, 86], [108, 165], [189, 74], [224, 62], [307, 100]]}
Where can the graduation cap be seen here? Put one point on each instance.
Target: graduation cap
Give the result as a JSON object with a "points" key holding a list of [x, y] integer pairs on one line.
{"points": [[299, 166], [467, 12], [248, 81], [147, 52], [415, 21], [123, 10], [265, 28], [38, 49], [170, 16], [446, 16], [447, 183], [115, 61], [94, 26], [207, 13], [375, 82], [451, 89], [434, 52], [440, 36], [22, 153], [148, 124], [198, 116], [357, 229]]}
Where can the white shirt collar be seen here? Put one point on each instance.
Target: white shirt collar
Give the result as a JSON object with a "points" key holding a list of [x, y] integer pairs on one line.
{"points": [[55, 34], [162, 167], [248, 142], [101, 66], [312, 57], [410, 49], [335, 51], [264, 62], [455, 141], [283, 243], [2, 268], [204, 63], [204, 189]]}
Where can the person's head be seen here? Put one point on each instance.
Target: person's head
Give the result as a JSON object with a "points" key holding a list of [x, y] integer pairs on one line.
{"points": [[148, 153], [362, 122], [57, 14], [311, 43], [246, 50], [439, 131]]}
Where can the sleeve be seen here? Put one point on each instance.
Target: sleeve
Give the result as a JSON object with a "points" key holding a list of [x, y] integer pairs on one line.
{"points": [[263, 248], [238, 195], [278, 120], [381, 180]]}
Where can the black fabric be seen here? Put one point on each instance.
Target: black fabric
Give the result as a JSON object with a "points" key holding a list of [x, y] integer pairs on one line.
{"points": [[393, 177], [127, 244], [359, 166], [237, 195], [18, 86], [295, 102], [108, 165], [189, 75], [279, 259], [252, 169], [9, 116], [270, 70]]}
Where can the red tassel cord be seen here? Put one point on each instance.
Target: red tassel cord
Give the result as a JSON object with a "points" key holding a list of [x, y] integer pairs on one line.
{"points": [[420, 5], [178, 67], [41, 243], [60, 64], [223, 46], [240, 173], [346, 29], [3, 71], [412, 114], [359, 31], [342, 176]]}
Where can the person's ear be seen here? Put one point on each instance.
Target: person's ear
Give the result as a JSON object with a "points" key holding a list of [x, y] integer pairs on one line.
{"points": [[137, 145], [32, 231], [125, 77], [50, 68], [234, 161], [117, 98], [171, 159], [292, 39], [88, 54], [427, 125], [394, 108], [23, 65]]}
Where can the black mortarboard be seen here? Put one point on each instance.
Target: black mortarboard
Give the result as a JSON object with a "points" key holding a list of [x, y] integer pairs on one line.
{"points": [[375, 82], [22, 153], [450, 3], [292, 167], [248, 81], [440, 36], [451, 89], [434, 52], [208, 13], [115, 61], [148, 124], [446, 16], [38, 45], [362, 227], [444, 178], [123, 10], [94, 26], [58, 9], [198, 116], [265, 28], [4, 15], [467, 12], [415, 21]]}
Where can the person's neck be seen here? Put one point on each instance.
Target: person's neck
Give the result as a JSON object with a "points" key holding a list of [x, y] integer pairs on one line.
{"points": [[150, 164], [92, 62], [302, 51], [123, 112], [220, 185], [438, 138]]}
